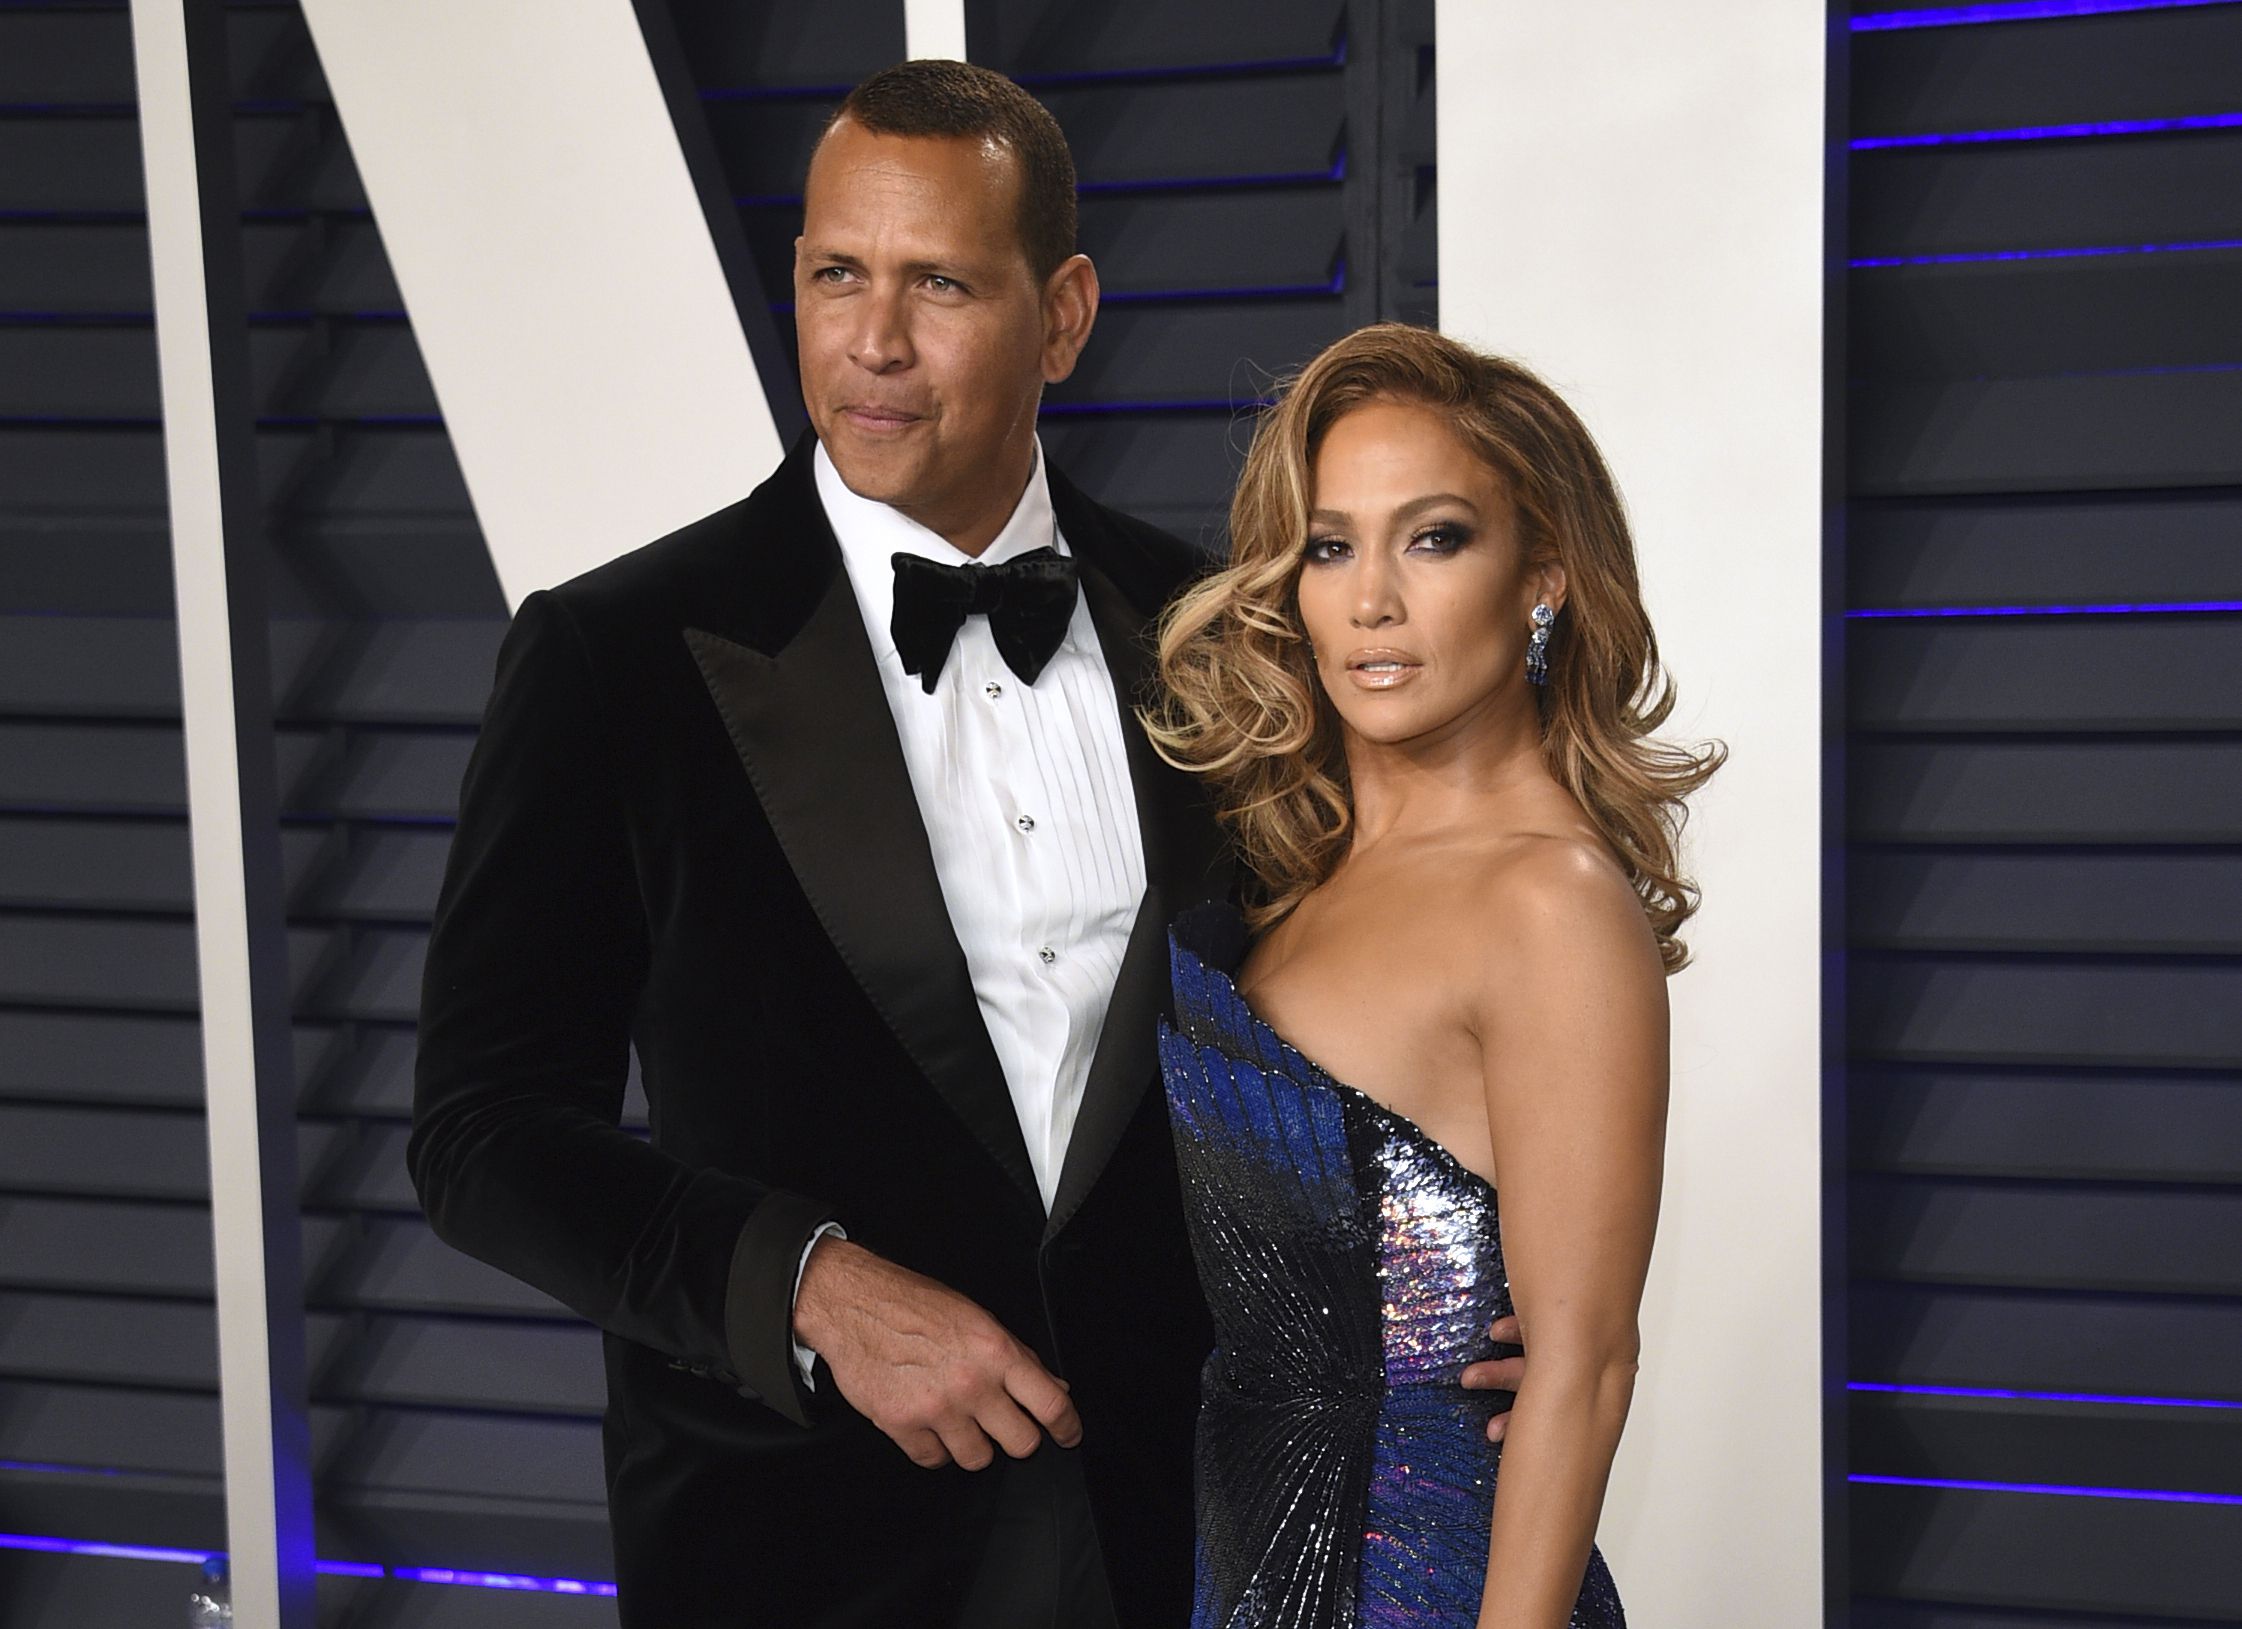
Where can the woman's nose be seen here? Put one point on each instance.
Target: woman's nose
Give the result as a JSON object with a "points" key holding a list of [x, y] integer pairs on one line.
{"points": [[1377, 601]]}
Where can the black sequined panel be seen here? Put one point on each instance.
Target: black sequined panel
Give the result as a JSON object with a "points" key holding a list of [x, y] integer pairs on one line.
{"points": [[1352, 1267]]}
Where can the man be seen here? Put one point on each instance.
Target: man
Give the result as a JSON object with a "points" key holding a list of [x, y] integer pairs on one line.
{"points": [[882, 908], [833, 805]]}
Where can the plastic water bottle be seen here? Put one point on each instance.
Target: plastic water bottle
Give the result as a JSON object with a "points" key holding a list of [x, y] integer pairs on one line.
{"points": [[212, 1603]]}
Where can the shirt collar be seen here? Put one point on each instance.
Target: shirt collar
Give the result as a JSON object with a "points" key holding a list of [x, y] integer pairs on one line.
{"points": [[871, 534]]}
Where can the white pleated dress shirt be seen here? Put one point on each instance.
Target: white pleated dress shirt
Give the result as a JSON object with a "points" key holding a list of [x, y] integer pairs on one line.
{"points": [[1028, 805]]}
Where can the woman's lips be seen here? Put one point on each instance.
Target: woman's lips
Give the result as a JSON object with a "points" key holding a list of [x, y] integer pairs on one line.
{"points": [[1382, 669]]}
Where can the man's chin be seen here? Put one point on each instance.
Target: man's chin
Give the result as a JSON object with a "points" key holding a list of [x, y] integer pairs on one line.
{"points": [[882, 472]]}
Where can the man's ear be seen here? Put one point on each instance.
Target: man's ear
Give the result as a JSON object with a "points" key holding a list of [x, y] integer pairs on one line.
{"points": [[1070, 311]]}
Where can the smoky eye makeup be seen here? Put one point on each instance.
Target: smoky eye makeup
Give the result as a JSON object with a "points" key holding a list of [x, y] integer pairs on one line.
{"points": [[1443, 536]]}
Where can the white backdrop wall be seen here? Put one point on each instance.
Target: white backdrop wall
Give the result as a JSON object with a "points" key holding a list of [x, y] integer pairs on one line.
{"points": [[538, 213], [1631, 202]]}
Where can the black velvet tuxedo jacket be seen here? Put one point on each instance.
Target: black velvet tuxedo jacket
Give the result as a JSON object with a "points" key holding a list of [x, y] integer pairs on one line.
{"points": [[687, 826]]}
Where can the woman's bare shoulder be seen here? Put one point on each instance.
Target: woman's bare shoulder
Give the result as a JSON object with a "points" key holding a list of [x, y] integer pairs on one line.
{"points": [[1545, 915], [1527, 881]]}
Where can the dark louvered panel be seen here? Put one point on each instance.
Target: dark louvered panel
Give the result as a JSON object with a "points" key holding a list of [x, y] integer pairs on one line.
{"points": [[2107, 1445], [2045, 695], [455, 1410], [2188, 903], [1234, 160], [2090, 1562], [1918, 82], [2164, 548], [79, 267], [2109, 1238], [108, 1357], [764, 48], [2111, 1010], [2006, 197], [2107, 789], [80, 56], [1963, 1336], [2110, 1126], [348, 369]]}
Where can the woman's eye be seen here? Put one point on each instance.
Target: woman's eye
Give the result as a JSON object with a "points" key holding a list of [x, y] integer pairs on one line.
{"points": [[1326, 548], [1440, 539]]}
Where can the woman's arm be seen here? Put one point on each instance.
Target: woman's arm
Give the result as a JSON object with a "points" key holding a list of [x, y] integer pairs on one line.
{"points": [[1571, 1016]]}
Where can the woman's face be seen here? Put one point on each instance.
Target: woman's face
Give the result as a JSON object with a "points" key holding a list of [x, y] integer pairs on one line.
{"points": [[1414, 590]]}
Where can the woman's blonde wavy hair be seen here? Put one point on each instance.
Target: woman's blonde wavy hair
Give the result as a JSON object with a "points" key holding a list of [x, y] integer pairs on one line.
{"points": [[1241, 703]]}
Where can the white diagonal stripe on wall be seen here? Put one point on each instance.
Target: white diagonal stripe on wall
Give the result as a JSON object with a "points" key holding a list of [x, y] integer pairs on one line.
{"points": [[557, 268], [934, 28]]}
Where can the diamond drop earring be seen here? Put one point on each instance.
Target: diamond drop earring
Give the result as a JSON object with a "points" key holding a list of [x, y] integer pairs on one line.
{"points": [[1537, 648]]}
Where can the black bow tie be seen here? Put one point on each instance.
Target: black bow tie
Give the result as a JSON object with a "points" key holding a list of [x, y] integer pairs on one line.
{"points": [[1028, 601]]}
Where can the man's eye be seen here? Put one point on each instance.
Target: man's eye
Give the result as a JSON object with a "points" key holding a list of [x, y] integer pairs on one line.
{"points": [[942, 285]]}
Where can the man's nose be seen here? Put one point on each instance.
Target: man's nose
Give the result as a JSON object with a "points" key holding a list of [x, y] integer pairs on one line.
{"points": [[882, 341]]}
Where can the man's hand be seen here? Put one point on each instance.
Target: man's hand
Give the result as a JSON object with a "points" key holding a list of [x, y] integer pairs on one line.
{"points": [[1499, 1374], [942, 1378]]}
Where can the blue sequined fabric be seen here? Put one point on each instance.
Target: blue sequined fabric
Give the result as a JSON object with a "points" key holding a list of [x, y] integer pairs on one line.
{"points": [[1352, 1266]]}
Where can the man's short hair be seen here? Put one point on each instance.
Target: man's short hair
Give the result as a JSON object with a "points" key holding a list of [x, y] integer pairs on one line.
{"points": [[935, 98]]}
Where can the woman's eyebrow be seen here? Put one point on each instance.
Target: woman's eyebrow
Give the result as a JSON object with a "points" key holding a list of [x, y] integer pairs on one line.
{"points": [[1340, 517]]}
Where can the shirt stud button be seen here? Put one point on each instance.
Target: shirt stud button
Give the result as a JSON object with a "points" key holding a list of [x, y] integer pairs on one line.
{"points": [[1047, 955], [1026, 823], [992, 690]]}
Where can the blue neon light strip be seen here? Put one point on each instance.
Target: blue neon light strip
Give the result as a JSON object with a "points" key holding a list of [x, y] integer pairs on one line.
{"points": [[2140, 607], [1984, 256], [352, 1569], [2002, 1395], [2053, 132], [502, 1580], [114, 1552], [2016, 11], [2168, 1496], [344, 1569]]}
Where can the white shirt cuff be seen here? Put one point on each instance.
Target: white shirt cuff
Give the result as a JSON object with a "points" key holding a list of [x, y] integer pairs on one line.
{"points": [[805, 1359]]}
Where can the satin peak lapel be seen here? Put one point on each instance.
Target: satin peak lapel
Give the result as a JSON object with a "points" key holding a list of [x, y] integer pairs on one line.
{"points": [[814, 733]]}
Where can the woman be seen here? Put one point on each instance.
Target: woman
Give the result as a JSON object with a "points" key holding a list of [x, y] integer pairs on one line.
{"points": [[1422, 690]]}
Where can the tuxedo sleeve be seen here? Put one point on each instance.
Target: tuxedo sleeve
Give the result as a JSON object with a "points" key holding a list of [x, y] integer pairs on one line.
{"points": [[535, 966]]}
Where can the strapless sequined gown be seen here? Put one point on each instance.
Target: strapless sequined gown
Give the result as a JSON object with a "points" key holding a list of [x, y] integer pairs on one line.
{"points": [[1352, 1267]]}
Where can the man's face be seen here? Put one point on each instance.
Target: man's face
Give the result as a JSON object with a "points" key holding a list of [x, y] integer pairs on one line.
{"points": [[922, 329]]}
